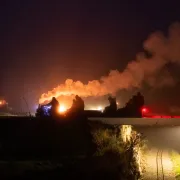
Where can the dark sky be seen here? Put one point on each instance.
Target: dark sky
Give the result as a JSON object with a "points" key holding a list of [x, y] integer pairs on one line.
{"points": [[45, 42]]}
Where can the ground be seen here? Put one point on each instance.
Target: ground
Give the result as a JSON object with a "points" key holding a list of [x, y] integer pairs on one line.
{"points": [[153, 168], [163, 139]]}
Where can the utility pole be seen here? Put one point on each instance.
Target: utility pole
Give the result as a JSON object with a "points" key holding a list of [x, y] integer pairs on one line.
{"points": [[27, 106]]}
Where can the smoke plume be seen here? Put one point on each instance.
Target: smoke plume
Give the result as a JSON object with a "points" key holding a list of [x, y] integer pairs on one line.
{"points": [[162, 49]]}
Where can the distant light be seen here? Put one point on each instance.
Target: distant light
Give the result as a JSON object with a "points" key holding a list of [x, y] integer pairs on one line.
{"points": [[176, 116], [99, 108], [1, 102], [156, 116], [144, 110], [166, 116], [117, 103]]}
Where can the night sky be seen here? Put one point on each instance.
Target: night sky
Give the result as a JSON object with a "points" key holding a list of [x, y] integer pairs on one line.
{"points": [[45, 42]]}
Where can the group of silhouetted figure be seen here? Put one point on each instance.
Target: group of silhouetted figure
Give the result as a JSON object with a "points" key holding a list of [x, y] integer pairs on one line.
{"points": [[51, 109], [132, 108], [77, 106]]}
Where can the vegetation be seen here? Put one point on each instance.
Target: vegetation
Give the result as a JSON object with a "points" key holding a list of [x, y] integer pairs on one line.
{"points": [[123, 145], [176, 163]]}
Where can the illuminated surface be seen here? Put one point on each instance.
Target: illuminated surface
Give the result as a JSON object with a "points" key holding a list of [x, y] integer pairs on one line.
{"points": [[150, 165], [97, 108], [126, 131]]}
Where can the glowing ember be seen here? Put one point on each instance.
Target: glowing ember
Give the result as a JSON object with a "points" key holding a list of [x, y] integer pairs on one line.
{"points": [[62, 109]]}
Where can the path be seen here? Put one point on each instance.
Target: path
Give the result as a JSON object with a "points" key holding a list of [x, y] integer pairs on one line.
{"points": [[150, 164]]}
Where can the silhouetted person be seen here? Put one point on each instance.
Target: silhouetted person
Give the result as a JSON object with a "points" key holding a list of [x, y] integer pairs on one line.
{"points": [[39, 111], [129, 104], [80, 103], [113, 104], [112, 108], [139, 101], [77, 106], [133, 106], [54, 106]]}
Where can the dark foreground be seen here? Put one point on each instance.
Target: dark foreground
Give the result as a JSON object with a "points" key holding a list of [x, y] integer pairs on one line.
{"points": [[90, 169], [53, 149]]}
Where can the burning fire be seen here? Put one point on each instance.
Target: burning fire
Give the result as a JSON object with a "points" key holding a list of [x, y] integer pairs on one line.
{"points": [[62, 109], [164, 50], [2, 102]]}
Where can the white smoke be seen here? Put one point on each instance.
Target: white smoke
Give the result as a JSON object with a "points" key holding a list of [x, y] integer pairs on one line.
{"points": [[164, 50]]}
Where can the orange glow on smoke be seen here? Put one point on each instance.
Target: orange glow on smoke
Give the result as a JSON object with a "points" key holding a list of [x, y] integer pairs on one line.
{"points": [[65, 101], [68, 90]]}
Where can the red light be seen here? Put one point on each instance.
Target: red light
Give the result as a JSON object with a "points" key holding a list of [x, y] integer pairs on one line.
{"points": [[166, 116], [156, 117], [144, 110]]}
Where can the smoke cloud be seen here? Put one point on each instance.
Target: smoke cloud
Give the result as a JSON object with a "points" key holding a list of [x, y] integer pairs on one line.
{"points": [[163, 50]]}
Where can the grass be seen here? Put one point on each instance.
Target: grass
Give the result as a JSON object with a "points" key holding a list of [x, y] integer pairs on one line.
{"points": [[176, 163]]}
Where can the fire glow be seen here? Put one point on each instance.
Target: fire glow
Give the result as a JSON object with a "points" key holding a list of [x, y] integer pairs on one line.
{"points": [[62, 109], [2, 102], [165, 49]]}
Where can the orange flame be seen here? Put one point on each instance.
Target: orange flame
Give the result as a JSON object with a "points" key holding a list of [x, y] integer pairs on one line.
{"points": [[71, 88], [62, 109]]}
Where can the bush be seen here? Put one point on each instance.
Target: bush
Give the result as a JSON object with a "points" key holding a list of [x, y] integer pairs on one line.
{"points": [[175, 157], [110, 142]]}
